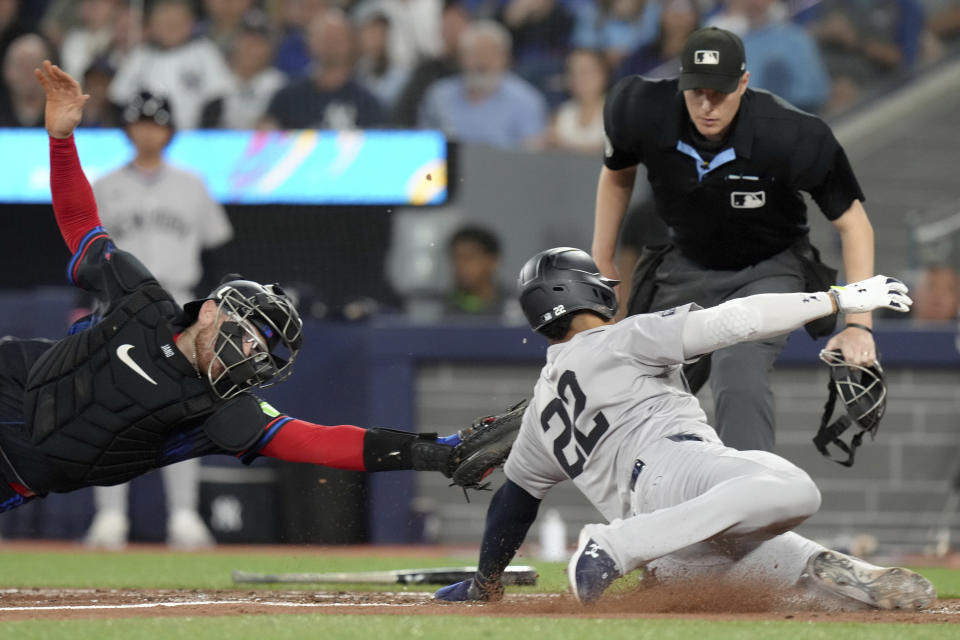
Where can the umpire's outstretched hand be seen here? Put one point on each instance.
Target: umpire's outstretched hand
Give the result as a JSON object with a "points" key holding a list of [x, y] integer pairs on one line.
{"points": [[65, 100]]}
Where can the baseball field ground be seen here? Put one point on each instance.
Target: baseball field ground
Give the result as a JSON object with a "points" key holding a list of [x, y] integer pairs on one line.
{"points": [[60, 590]]}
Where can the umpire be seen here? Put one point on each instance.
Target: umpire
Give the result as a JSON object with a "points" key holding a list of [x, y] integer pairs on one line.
{"points": [[726, 166]]}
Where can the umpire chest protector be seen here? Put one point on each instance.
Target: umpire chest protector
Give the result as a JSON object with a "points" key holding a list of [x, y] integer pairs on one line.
{"points": [[101, 403]]}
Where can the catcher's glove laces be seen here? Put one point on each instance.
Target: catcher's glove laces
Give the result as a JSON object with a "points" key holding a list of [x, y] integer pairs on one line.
{"points": [[484, 445]]}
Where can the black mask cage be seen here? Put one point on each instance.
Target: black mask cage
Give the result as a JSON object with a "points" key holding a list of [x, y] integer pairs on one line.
{"points": [[863, 393], [258, 339]]}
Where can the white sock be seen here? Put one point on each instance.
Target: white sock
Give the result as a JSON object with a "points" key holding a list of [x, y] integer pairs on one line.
{"points": [[181, 484], [111, 498]]}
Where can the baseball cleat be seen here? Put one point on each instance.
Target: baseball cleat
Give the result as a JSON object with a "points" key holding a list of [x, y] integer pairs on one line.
{"points": [[108, 531], [591, 570], [880, 587], [186, 531]]}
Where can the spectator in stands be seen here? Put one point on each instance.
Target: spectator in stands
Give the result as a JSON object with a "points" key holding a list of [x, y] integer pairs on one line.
{"points": [[254, 81], [376, 69], [167, 217], [415, 32], [486, 103], [172, 62], [11, 28], [330, 97], [577, 124], [783, 57], [91, 38], [616, 27], [475, 259], [23, 104], [57, 18], [936, 298], [453, 22], [485, 9], [292, 54], [541, 40], [661, 58], [99, 111], [942, 18], [864, 41], [127, 34], [223, 22], [11, 24]]}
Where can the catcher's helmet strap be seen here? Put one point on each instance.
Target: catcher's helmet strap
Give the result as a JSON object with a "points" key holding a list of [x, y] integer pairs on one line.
{"points": [[830, 434]]}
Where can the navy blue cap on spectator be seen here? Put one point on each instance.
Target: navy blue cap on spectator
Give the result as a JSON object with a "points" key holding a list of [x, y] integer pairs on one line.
{"points": [[712, 58]]}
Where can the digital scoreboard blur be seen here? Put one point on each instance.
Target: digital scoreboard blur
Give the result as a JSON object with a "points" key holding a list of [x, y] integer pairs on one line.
{"points": [[309, 167]]}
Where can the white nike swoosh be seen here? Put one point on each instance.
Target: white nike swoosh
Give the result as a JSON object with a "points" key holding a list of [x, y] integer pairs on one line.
{"points": [[124, 355]]}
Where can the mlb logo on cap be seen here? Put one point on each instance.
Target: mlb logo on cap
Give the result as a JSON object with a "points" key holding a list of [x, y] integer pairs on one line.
{"points": [[712, 59], [706, 57]]}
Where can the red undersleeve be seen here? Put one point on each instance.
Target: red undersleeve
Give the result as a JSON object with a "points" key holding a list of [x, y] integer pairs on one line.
{"points": [[340, 446], [73, 202]]}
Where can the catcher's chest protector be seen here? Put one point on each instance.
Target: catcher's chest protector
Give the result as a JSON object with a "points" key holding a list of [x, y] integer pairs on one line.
{"points": [[101, 403]]}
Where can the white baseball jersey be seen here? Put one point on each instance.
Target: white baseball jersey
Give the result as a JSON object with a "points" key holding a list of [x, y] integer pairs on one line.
{"points": [[188, 76], [247, 101], [601, 398], [165, 218]]}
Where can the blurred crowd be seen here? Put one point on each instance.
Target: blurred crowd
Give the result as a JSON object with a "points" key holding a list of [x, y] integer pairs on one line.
{"points": [[514, 74], [508, 73]]}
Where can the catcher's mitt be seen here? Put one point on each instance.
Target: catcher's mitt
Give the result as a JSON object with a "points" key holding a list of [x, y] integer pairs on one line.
{"points": [[485, 445]]}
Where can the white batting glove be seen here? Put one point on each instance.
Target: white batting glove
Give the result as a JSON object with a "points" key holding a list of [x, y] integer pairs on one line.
{"points": [[872, 293]]}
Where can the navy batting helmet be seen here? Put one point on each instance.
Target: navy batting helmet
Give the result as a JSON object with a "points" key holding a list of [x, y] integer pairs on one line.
{"points": [[150, 107], [558, 281]]}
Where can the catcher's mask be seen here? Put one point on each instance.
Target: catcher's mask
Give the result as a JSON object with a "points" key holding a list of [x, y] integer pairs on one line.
{"points": [[558, 281], [864, 396], [258, 338]]}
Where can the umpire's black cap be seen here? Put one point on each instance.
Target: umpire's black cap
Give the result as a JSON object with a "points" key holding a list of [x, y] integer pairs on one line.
{"points": [[712, 58]]}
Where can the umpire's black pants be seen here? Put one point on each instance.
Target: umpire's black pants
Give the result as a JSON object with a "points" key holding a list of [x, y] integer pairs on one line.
{"points": [[739, 375]]}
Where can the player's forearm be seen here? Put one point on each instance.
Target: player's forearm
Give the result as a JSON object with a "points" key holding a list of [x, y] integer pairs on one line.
{"points": [[856, 238], [510, 515], [73, 203], [752, 318], [613, 195], [340, 447], [355, 448]]}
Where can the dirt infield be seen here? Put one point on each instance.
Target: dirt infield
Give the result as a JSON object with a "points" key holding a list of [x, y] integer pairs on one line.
{"points": [[69, 604], [690, 601]]}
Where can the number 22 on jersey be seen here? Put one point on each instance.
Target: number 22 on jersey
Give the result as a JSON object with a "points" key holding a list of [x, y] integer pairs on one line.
{"points": [[558, 412]]}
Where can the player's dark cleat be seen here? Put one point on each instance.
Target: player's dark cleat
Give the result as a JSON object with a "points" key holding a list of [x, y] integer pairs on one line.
{"points": [[459, 592], [880, 587], [591, 570]]}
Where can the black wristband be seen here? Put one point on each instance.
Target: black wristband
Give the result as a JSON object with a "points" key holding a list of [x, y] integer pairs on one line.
{"points": [[857, 325]]}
